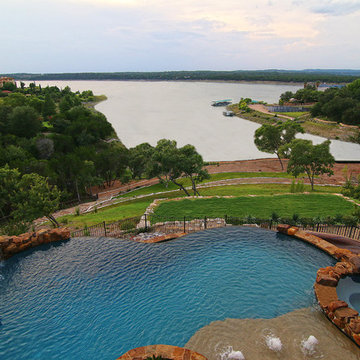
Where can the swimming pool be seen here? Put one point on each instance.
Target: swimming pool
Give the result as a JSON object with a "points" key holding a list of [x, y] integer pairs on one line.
{"points": [[95, 298]]}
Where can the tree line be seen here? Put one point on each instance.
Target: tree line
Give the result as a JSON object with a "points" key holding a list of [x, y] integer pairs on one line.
{"points": [[238, 75]]}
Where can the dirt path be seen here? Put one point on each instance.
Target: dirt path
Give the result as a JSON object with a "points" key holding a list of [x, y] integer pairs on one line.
{"points": [[263, 109]]}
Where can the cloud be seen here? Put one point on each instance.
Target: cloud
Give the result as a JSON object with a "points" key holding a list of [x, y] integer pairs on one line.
{"points": [[119, 35], [336, 8]]}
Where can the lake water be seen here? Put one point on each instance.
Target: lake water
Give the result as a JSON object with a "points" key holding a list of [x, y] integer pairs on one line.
{"points": [[143, 111]]}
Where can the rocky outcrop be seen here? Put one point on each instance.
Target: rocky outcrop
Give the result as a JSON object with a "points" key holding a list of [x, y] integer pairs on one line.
{"points": [[338, 311], [165, 351], [11, 245]]}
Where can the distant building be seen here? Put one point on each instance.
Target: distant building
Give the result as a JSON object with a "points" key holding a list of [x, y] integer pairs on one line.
{"points": [[328, 86], [5, 79]]}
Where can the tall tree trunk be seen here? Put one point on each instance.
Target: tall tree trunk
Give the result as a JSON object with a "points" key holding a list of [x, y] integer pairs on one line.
{"points": [[311, 179], [282, 166], [53, 220], [194, 186], [181, 187], [77, 190]]}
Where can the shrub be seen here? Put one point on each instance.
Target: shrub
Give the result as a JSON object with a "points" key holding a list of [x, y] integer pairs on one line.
{"points": [[86, 231], [275, 217], [350, 220]]}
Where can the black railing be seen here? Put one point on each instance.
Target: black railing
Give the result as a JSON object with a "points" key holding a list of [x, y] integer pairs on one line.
{"points": [[120, 228], [126, 227], [183, 224]]}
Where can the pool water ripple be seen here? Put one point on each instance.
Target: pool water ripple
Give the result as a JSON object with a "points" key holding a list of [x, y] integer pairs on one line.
{"points": [[91, 298]]}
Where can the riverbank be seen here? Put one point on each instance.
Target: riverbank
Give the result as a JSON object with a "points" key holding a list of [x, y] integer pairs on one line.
{"points": [[329, 130]]}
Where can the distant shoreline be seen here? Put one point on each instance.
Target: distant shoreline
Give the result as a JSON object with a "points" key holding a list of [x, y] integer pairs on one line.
{"points": [[247, 76], [266, 82]]}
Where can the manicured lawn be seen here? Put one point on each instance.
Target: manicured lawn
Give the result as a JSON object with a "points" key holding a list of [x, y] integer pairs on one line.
{"points": [[294, 114], [260, 189], [137, 207], [213, 177], [305, 205], [110, 214]]}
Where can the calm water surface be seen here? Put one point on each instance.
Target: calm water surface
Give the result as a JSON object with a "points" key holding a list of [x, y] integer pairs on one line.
{"points": [[142, 111], [91, 298]]}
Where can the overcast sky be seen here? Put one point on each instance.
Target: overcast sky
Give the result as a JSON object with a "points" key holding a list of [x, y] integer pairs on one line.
{"points": [[156, 35]]}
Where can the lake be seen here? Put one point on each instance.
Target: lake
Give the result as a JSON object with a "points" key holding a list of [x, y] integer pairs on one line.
{"points": [[144, 111]]}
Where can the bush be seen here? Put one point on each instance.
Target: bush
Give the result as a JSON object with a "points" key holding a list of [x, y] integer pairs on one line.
{"points": [[350, 220], [350, 189], [14, 228], [297, 187]]}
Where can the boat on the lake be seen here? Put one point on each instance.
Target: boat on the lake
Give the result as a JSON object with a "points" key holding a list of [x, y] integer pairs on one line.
{"points": [[228, 113], [221, 102]]}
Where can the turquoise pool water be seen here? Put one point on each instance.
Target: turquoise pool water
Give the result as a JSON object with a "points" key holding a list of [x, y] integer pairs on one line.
{"points": [[95, 298]]}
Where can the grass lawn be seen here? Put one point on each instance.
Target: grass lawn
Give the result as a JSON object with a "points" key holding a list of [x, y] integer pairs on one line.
{"points": [[213, 177], [294, 114], [305, 205], [260, 189], [138, 206], [109, 214]]}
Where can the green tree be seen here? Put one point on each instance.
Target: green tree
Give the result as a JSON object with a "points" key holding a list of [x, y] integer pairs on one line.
{"points": [[111, 163], [49, 107], [24, 198], [269, 138], [165, 164], [9, 86], [286, 96], [139, 158], [15, 99], [66, 104], [169, 163], [304, 157], [24, 122], [192, 166], [36, 103], [244, 104]]}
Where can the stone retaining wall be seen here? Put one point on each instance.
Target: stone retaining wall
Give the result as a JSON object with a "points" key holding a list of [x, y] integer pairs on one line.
{"points": [[11, 245], [338, 311]]}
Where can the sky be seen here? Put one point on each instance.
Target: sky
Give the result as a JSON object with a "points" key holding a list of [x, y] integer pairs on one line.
{"points": [[41, 36]]}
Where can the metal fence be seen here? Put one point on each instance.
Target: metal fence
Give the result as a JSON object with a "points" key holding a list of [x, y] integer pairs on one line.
{"points": [[120, 228], [184, 224], [151, 223], [352, 232]]}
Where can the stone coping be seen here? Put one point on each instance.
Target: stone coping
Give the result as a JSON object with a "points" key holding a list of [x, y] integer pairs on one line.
{"points": [[11, 245], [337, 311], [160, 238], [165, 351]]}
